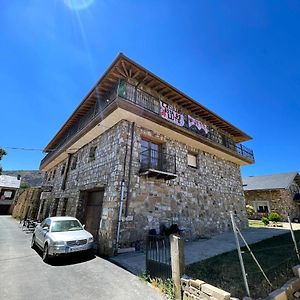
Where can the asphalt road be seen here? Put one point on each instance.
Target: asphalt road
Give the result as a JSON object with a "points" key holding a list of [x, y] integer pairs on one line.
{"points": [[23, 274]]}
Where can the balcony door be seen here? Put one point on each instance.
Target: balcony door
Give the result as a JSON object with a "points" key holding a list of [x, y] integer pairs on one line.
{"points": [[150, 155]]}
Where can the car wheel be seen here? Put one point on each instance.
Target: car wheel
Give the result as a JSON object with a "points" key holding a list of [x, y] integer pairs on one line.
{"points": [[33, 242], [45, 253]]}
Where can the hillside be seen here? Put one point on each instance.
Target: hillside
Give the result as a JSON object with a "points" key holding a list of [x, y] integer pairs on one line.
{"points": [[31, 177]]}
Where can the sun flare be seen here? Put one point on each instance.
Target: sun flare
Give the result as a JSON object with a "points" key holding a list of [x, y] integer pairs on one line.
{"points": [[78, 4]]}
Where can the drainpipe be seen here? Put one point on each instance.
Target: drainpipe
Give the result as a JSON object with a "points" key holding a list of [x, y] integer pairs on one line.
{"points": [[129, 171], [122, 193], [120, 213]]}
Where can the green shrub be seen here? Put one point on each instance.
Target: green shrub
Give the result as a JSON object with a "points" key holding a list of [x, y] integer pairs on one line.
{"points": [[274, 217], [265, 220]]}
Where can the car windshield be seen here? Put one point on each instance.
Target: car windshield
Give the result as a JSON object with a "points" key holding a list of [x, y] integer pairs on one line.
{"points": [[65, 225]]}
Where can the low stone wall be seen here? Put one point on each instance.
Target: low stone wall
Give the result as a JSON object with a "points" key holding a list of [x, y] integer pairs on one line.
{"points": [[199, 290]]}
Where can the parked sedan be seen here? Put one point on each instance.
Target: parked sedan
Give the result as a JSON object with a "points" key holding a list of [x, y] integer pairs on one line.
{"points": [[61, 235]]}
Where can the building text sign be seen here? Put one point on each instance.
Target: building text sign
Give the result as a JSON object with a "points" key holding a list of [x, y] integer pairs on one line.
{"points": [[171, 114], [197, 124]]}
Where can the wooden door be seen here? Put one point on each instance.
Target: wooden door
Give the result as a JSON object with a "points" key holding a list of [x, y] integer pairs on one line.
{"points": [[93, 212]]}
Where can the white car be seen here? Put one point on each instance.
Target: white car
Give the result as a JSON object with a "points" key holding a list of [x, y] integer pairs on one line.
{"points": [[61, 235]]}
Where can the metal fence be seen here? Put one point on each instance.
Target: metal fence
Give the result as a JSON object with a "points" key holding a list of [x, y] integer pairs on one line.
{"points": [[158, 256], [146, 101], [157, 160]]}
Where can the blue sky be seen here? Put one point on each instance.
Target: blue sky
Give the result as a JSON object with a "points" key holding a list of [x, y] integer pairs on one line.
{"points": [[238, 58]]}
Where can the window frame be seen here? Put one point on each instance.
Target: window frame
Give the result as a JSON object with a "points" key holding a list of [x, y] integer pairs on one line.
{"points": [[263, 203], [194, 155], [92, 153]]}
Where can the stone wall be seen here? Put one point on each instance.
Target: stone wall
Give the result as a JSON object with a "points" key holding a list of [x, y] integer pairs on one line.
{"points": [[27, 202], [200, 290], [198, 200], [280, 200], [105, 172]]}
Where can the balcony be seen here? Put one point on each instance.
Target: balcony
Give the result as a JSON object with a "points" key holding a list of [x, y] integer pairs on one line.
{"points": [[152, 104], [125, 91], [157, 164]]}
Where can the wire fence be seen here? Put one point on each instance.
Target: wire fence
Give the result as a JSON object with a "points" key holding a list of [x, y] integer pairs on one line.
{"points": [[267, 265]]}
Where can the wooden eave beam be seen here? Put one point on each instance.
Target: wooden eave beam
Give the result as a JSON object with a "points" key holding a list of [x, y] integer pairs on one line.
{"points": [[162, 89], [124, 68], [121, 72], [136, 74]]}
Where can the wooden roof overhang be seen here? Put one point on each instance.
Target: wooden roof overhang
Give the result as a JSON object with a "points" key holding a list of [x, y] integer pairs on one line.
{"points": [[124, 68]]}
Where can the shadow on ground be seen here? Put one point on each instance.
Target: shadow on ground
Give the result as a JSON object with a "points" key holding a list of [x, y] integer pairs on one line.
{"points": [[70, 259]]}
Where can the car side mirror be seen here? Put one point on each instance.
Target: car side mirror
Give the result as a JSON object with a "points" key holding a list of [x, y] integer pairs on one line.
{"points": [[83, 226], [45, 228]]}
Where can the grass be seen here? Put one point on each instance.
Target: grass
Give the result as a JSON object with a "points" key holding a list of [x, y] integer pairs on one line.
{"points": [[165, 286], [255, 223], [276, 256]]}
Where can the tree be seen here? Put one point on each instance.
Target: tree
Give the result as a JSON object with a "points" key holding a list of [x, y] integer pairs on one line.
{"points": [[2, 153], [24, 185]]}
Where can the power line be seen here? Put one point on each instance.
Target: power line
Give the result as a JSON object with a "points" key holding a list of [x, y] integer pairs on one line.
{"points": [[22, 148], [48, 150]]}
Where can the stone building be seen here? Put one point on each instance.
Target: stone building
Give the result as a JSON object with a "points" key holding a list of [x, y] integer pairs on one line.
{"points": [[8, 187], [27, 203], [138, 154], [276, 192]]}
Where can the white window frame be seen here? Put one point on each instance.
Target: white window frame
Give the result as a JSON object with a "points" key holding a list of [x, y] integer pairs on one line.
{"points": [[258, 203], [192, 160]]}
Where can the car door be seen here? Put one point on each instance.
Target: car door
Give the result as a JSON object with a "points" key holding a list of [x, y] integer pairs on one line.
{"points": [[45, 231], [38, 232]]}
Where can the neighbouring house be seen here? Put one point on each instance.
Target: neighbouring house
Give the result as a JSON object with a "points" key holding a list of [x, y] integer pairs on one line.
{"points": [[274, 192], [27, 203], [138, 154], [8, 188], [31, 178]]}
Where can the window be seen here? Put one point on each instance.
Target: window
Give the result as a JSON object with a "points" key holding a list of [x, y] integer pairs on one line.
{"points": [[49, 176], [46, 223], [63, 168], [150, 154], [192, 160], [74, 162], [92, 154], [54, 207], [262, 206], [8, 194], [53, 174], [64, 208]]}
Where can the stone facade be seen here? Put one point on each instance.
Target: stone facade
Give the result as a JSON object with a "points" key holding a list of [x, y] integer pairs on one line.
{"points": [[198, 200], [26, 204], [279, 200]]}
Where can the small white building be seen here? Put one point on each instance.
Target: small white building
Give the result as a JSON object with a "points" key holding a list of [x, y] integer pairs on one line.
{"points": [[8, 187]]}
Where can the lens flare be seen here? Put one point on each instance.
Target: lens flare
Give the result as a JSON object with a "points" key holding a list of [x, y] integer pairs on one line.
{"points": [[78, 4]]}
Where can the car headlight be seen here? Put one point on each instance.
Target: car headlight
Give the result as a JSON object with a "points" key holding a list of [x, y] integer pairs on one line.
{"points": [[91, 239], [59, 243]]}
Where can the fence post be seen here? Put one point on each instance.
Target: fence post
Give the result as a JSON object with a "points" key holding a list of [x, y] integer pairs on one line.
{"points": [[240, 253], [293, 238], [177, 263]]}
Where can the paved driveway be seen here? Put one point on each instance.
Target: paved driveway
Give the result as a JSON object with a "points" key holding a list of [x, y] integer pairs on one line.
{"points": [[205, 248], [23, 274]]}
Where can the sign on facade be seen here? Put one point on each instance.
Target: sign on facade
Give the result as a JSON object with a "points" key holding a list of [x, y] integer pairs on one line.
{"points": [[171, 114], [198, 125]]}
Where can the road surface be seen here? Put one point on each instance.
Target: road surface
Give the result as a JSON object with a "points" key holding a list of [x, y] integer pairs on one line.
{"points": [[23, 274]]}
